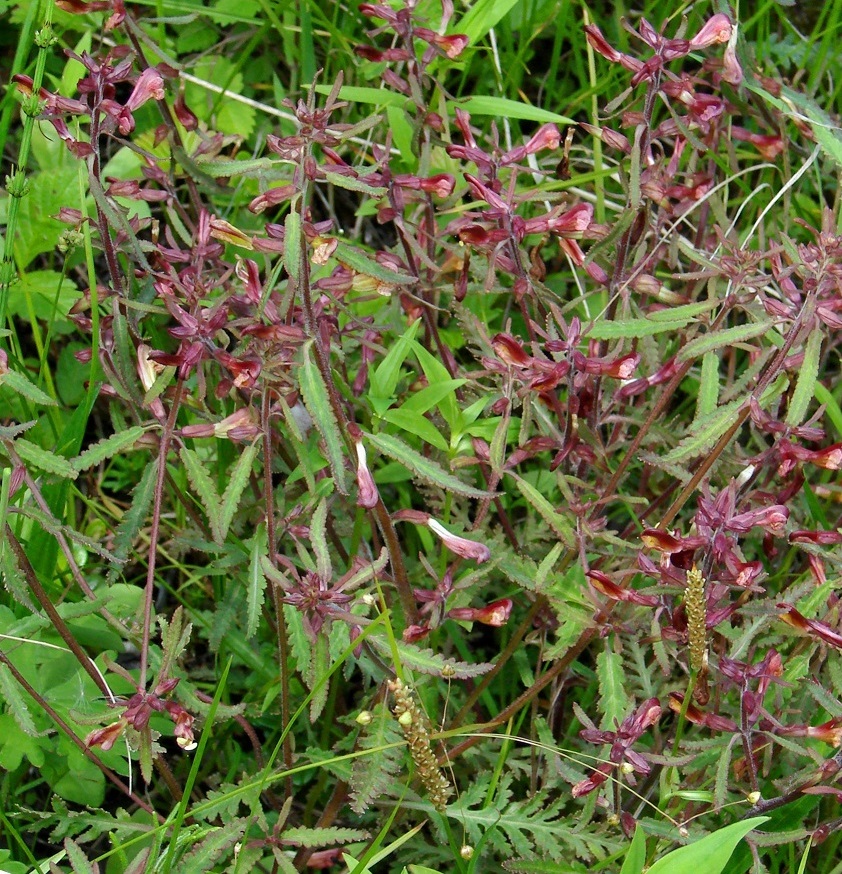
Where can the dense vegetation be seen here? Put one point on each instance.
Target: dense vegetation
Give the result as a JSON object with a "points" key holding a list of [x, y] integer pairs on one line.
{"points": [[420, 434]]}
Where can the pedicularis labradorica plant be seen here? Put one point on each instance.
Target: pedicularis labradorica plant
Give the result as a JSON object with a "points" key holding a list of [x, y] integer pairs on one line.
{"points": [[398, 472]]}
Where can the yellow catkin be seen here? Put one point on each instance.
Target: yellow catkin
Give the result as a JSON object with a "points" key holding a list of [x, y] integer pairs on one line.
{"points": [[414, 726], [694, 604]]}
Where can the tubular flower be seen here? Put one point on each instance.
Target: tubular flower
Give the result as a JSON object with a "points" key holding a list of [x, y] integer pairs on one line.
{"points": [[368, 494], [463, 547]]}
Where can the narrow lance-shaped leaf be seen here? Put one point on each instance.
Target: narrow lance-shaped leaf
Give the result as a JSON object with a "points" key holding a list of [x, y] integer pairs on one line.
{"points": [[425, 468], [134, 517], [318, 540], [554, 519], [425, 661], [314, 393], [613, 698], [292, 243], [17, 382], [107, 448], [259, 547], [15, 701], [726, 337], [355, 258], [707, 430], [45, 460], [806, 384], [205, 852], [234, 491], [203, 486], [321, 837], [708, 385], [79, 862], [631, 328]]}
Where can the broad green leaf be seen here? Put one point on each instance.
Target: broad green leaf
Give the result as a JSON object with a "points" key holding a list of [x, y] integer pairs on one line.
{"points": [[498, 107], [481, 17], [314, 394], [107, 448], [614, 701], [710, 854], [259, 547], [47, 461], [428, 397], [422, 467], [352, 256], [631, 328], [203, 486], [415, 423], [636, 855], [554, 519], [49, 294], [233, 492], [402, 134], [727, 337], [37, 230], [806, 384], [19, 383], [384, 379], [438, 374]]}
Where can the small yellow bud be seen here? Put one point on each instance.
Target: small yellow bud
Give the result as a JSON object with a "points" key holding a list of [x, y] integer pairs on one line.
{"points": [[364, 717], [626, 768], [405, 718], [753, 797], [467, 852]]}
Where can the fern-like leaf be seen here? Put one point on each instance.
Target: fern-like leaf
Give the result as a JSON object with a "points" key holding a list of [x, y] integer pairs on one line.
{"points": [[373, 774]]}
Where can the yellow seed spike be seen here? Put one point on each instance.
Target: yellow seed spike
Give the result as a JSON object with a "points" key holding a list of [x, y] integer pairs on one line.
{"points": [[694, 604]]}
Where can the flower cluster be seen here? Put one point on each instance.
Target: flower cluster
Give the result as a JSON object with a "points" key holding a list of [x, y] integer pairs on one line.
{"points": [[138, 710], [621, 754]]}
